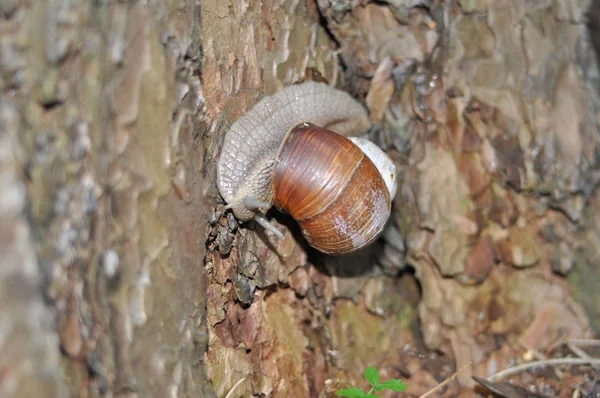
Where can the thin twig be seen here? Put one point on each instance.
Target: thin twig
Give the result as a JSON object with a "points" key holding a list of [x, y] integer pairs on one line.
{"points": [[541, 357], [442, 384], [580, 353], [230, 393], [585, 342], [547, 362]]}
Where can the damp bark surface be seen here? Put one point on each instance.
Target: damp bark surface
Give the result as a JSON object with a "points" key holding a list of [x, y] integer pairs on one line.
{"points": [[121, 273]]}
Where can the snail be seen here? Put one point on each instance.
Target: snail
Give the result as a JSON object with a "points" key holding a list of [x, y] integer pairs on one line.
{"points": [[291, 151]]}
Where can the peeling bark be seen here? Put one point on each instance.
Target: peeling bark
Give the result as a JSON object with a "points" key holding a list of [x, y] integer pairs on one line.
{"points": [[100, 105], [122, 275], [477, 120]]}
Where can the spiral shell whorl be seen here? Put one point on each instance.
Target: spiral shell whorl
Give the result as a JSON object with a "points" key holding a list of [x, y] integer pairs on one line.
{"points": [[331, 188]]}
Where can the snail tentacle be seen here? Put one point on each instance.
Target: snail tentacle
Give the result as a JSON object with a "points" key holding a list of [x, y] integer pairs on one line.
{"points": [[252, 204], [262, 220]]}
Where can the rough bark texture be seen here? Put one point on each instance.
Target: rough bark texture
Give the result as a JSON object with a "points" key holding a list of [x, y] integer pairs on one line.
{"points": [[489, 109], [121, 275], [102, 211]]}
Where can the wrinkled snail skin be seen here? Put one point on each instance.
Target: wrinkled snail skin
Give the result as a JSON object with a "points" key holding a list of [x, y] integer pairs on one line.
{"points": [[290, 150]]}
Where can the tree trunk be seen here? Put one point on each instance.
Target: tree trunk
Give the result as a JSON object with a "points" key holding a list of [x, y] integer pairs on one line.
{"points": [[121, 274], [102, 210]]}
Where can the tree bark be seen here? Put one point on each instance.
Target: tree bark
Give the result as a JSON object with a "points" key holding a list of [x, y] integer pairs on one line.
{"points": [[102, 173], [122, 275]]}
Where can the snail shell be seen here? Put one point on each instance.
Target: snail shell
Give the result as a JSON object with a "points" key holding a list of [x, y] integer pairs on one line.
{"points": [[331, 188]]}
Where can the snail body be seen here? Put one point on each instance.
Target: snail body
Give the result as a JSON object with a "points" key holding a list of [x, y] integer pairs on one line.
{"points": [[290, 151]]}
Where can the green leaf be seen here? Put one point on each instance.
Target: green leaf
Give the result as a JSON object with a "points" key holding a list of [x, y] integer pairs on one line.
{"points": [[393, 384], [372, 375], [351, 393], [371, 396]]}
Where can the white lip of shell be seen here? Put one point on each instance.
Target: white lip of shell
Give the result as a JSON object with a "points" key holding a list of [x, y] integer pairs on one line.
{"points": [[382, 161]]}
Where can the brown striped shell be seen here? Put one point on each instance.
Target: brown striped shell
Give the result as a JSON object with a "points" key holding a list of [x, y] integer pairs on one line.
{"points": [[331, 188]]}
